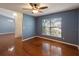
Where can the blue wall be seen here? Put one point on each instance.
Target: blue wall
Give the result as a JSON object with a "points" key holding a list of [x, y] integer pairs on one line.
{"points": [[6, 26], [33, 25], [69, 25], [28, 26], [78, 27]]}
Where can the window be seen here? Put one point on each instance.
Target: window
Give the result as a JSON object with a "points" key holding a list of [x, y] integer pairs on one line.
{"points": [[46, 27], [52, 27]]}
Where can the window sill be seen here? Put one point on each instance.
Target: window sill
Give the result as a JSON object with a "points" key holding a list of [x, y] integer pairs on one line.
{"points": [[53, 37]]}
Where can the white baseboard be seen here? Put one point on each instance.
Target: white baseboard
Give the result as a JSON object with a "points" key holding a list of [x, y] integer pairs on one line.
{"points": [[78, 47], [28, 38], [59, 41], [6, 33], [53, 40]]}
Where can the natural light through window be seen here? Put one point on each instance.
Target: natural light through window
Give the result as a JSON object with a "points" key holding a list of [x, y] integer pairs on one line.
{"points": [[52, 27]]}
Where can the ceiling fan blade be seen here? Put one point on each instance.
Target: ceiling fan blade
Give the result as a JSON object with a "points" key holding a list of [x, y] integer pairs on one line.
{"points": [[43, 7], [40, 11], [27, 9], [34, 4], [31, 4]]}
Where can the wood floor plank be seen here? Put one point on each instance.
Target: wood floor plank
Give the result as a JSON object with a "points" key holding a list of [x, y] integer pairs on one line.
{"points": [[40, 47]]}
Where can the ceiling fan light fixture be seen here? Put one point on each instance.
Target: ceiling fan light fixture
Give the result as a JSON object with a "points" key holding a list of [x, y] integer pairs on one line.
{"points": [[36, 8], [35, 11]]}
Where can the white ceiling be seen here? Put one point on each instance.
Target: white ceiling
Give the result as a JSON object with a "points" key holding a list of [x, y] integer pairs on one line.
{"points": [[52, 7]]}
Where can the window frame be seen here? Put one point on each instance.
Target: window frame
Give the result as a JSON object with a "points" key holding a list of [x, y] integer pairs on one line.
{"points": [[51, 27]]}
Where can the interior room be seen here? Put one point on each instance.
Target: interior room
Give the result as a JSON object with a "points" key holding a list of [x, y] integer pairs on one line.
{"points": [[39, 29]]}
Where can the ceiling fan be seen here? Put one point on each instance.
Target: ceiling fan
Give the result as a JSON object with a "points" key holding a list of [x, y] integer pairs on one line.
{"points": [[35, 8]]}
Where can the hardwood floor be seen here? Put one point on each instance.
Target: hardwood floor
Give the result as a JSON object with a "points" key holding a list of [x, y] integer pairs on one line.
{"points": [[41, 47], [6, 43]]}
